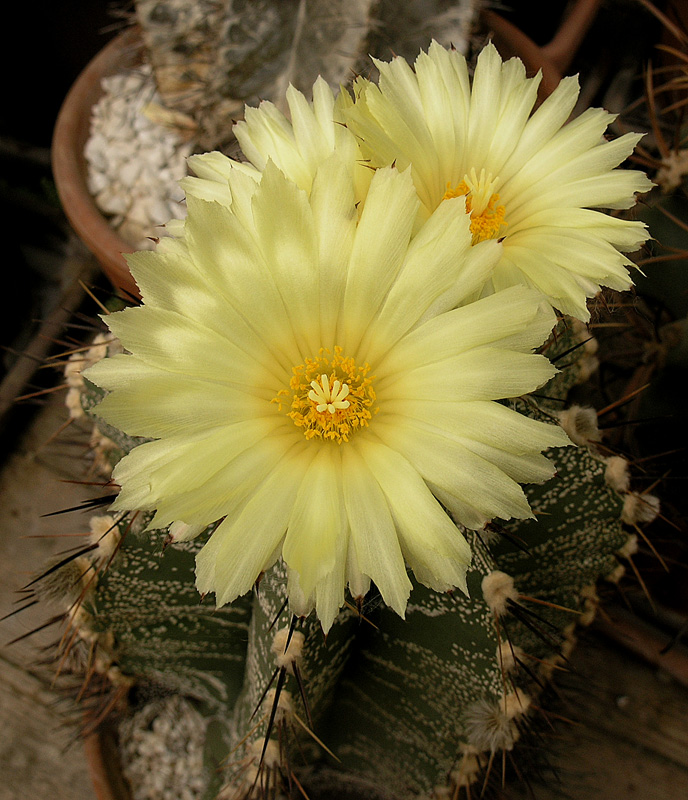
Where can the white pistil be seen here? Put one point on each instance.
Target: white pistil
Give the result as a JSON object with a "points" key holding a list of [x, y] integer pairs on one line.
{"points": [[482, 189], [328, 398]]}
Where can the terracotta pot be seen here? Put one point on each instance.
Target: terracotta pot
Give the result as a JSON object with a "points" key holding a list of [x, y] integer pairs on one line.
{"points": [[553, 58], [69, 165], [104, 764]]}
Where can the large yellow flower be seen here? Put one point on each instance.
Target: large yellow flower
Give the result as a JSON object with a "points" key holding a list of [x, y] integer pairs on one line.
{"points": [[308, 380], [528, 179]]}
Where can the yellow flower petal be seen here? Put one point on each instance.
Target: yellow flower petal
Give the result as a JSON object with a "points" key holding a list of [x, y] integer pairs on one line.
{"points": [[373, 532], [381, 242], [316, 523], [432, 545], [240, 549], [461, 474]]}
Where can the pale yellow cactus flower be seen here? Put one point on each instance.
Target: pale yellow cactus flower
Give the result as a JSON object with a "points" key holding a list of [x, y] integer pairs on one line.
{"points": [[298, 143], [531, 179], [312, 381]]}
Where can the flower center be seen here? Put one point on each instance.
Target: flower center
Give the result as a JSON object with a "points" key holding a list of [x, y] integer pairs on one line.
{"points": [[331, 397], [487, 218]]}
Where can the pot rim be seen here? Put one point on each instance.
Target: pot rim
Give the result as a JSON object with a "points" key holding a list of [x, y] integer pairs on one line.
{"points": [[71, 132]]}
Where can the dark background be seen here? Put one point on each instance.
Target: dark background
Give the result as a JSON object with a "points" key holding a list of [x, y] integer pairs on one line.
{"points": [[47, 45]]}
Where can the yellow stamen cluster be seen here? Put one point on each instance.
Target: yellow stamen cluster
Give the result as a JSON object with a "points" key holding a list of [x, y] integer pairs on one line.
{"points": [[331, 396], [486, 222]]}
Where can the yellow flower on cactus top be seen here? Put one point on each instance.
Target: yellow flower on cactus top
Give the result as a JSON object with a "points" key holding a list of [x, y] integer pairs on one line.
{"points": [[529, 179], [297, 144], [309, 381]]}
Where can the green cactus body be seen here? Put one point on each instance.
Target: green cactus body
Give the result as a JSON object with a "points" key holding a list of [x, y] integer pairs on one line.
{"points": [[403, 698], [573, 542], [164, 633]]}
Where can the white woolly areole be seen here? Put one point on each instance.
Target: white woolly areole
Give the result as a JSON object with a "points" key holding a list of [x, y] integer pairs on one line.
{"points": [[72, 371], [102, 664], [100, 441], [253, 766], [82, 622], [507, 654], [488, 728], [630, 548], [286, 656], [73, 403], [101, 446], [515, 703], [616, 474], [587, 366], [570, 642], [98, 348], [105, 534], [616, 574], [101, 345], [569, 632], [590, 345], [118, 678], [498, 588], [469, 768], [271, 758], [591, 602], [580, 423], [674, 167], [639, 509], [285, 704]]}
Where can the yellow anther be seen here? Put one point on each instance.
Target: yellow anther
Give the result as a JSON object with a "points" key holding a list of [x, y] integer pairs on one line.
{"points": [[487, 218], [330, 396]]}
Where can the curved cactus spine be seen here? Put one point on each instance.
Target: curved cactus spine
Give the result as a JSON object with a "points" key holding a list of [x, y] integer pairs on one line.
{"points": [[292, 675]]}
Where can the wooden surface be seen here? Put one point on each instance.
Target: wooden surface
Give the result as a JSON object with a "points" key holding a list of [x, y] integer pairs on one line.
{"points": [[631, 740], [40, 755], [630, 733]]}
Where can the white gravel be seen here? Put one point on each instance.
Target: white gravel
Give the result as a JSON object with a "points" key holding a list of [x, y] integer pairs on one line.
{"points": [[162, 751], [134, 162]]}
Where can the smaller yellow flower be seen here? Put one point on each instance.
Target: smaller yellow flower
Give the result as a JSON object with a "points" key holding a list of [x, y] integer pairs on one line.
{"points": [[314, 132], [531, 179], [487, 218]]}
